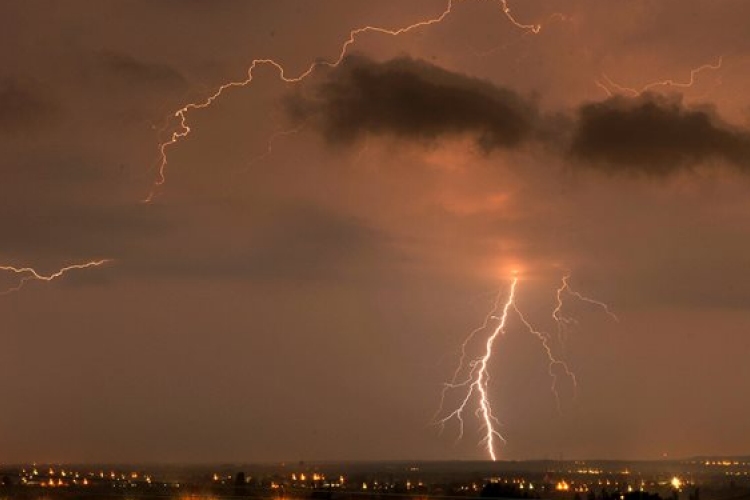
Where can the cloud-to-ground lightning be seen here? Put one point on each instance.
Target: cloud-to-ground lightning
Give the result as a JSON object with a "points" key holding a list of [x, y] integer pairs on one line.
{"points": [[27, 274], [473, 376], [611, 87], [183, 128], [478, 377]]}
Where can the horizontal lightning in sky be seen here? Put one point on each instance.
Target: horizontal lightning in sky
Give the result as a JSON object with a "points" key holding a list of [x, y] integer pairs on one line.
{"points": [[184, 129], [473, 377], [27, 274], [610, 87]]}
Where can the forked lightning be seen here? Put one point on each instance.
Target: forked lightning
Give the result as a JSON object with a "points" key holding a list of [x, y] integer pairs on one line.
{"points": [[473, 377]]}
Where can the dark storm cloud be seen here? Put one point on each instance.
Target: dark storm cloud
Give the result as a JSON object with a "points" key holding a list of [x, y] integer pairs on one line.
{"points": [[23, 106], [413, 99], [654, 135]]}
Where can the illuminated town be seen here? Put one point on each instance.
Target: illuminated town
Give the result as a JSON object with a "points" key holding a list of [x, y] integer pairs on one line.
{"points": [[696, 479]]}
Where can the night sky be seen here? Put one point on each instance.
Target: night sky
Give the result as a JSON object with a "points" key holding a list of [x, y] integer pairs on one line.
{"points": [[300, 285]]}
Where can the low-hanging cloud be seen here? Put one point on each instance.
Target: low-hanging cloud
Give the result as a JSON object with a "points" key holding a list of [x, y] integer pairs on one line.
{"points": [[654, 135], [412, 99]]}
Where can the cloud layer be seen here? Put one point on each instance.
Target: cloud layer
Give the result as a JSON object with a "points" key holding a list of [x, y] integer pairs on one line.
{"points": [[655, 135], [415, 100]]}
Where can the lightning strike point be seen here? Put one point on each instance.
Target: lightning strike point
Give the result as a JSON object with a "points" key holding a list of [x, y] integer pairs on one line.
{"points": [[478, 378]]}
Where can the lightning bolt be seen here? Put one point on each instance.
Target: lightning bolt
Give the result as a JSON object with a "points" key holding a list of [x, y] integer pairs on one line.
{"points": [[27, 274], [610, 87], [478, 378], [184, 129], [475, 383]]}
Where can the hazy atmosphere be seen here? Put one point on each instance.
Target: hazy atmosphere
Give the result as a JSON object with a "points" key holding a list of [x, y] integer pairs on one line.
{"points": [[295, 277]]}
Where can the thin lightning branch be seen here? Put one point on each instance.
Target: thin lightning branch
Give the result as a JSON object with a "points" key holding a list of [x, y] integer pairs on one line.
{"points": [[269, 150], [553, 360], [564, 323], [534, 28], [30, 274], [184, 129], [610, 86], [529, 30], [565, 288], [604, 88]]}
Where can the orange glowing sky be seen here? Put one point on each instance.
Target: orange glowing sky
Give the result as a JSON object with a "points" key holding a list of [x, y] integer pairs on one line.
{"points": [[300, 285]]}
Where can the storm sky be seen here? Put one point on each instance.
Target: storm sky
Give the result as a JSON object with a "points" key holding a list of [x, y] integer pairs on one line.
{"points": [[301, 284]]}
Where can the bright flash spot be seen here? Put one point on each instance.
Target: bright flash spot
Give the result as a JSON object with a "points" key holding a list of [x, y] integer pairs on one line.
{"points": [[562, 486]]}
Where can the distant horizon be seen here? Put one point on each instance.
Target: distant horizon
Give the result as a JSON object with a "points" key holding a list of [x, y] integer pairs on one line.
{"points": [[296, 462]]}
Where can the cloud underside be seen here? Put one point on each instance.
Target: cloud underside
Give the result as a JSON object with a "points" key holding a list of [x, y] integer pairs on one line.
{"points": [[414, 100], [654, 134]]}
